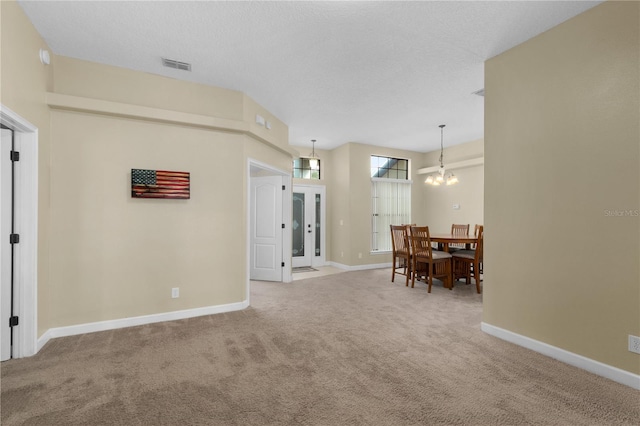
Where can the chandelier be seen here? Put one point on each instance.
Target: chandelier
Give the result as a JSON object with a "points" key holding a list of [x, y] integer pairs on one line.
{"points": [[313, 159], [439, 178]]}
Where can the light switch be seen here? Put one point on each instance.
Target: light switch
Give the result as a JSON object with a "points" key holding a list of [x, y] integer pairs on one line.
{"points": [[456, 206]]}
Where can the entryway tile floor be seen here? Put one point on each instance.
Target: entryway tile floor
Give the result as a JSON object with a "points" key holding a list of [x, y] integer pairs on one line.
{"points": [[321, 271]]}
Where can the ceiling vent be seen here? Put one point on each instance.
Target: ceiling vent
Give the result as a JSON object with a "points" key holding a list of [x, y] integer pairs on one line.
{"points": [[479, 92], [170, 63]]}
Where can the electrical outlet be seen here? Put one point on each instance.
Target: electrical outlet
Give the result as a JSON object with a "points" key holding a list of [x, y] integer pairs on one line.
{"points": [[634, 344], [175, 292]]}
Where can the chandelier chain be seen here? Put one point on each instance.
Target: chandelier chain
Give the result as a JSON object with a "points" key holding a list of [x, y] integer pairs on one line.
{"points": [[440, 177], [313, 149]]}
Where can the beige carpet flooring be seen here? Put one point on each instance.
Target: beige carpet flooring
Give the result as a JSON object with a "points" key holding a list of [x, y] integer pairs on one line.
{"points": [[344, 349]]}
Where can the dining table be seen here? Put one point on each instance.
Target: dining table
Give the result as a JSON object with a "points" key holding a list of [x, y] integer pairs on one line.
{"points": [[444, 240]]}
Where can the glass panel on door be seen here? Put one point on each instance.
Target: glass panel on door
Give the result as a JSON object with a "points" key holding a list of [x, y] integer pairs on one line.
{"points": [[317, 225], [297, 224]]}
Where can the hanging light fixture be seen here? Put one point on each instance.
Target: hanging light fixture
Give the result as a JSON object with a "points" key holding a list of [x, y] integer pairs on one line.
{"points": [[313, 160], [439, 178]]}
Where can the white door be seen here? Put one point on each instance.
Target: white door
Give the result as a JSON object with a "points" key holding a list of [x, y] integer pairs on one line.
{"points": [[5, 246], [307, 226], [266, 228]]}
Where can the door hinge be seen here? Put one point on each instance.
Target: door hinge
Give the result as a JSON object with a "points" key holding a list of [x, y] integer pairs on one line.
{"points": [[13, 321], [15, 155], [283, 226], [14, 238], [283, 187], [282, 264]]}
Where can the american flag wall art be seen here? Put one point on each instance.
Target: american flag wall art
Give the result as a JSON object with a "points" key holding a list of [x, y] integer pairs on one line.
{"points": [[159, 184]]}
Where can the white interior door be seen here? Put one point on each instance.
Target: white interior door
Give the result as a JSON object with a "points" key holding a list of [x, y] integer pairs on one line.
{"points": [[266, 228], [307, 226], [5, 246]]}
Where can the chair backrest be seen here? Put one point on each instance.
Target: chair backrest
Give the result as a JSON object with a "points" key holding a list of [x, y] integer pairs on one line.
{"points": [[480, 245], [457, 229], [421, 242], [399, 242], [476, 230], [409, 226]]}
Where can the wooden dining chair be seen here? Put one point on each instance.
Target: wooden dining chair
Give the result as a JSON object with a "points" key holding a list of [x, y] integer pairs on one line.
{"points": [[437, 264], [475, 234], [457, 229], [466, 263], [401, 253]]}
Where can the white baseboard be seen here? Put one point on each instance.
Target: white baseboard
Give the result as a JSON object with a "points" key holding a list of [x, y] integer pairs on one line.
{"points": [[360, 267], [134, 321], [617, 375]]}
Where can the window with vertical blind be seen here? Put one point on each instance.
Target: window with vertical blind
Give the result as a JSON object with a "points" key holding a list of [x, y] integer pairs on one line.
{"points": [[390, 199]]}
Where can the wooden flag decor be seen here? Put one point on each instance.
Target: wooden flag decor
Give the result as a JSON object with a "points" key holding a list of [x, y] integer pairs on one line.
{"points": [[159, 184]]}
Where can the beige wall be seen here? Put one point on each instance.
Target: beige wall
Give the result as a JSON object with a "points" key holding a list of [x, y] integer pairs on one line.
{"points": [[349, 195], [338, 194], [278, 134], [102, 254], [97, 81], [561, 150], [23, 82], [117, 257], [438, 201], [264, 153], [113, 256]]}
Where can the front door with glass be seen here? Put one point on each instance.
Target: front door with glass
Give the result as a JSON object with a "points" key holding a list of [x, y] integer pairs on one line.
{"points": [[307, 226]]}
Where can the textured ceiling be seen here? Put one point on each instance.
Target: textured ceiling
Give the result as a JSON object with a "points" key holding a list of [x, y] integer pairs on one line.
{"points": [[382, 73]]}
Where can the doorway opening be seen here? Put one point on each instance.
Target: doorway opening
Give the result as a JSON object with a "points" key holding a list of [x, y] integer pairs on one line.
{"points": [[7, 246], [19, 247], [269, 213]]}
